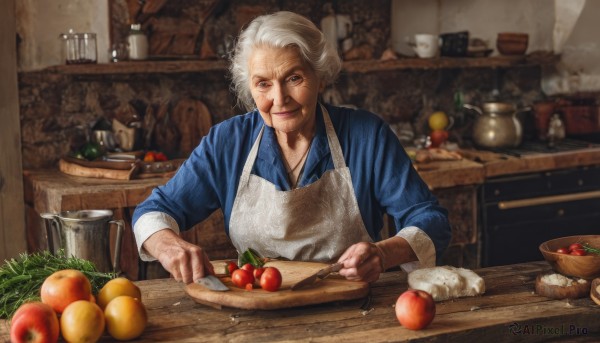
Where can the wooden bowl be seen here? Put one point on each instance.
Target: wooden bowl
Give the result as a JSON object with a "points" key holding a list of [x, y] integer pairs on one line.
{"points": [[574, 291], [509, 43], [585, 267], [595, 291]]}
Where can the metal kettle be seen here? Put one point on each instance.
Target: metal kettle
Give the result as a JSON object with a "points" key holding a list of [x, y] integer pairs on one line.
{"points": [[496, 126]]}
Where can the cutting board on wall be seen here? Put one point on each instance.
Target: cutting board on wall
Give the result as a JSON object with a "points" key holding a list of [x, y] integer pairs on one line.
{"points": [[193, 121], [332, 288]]}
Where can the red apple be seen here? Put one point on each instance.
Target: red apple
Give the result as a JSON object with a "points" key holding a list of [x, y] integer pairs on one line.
{"points": [[64, 287], [438, 137], [34, 322], [415, 309]]}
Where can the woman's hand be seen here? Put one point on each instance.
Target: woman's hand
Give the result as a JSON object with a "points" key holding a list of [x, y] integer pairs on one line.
{"points": [[185, 261], [362, 262]]}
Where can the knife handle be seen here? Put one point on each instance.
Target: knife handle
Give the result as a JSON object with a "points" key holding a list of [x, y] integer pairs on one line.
{"points": [[331, 268]]}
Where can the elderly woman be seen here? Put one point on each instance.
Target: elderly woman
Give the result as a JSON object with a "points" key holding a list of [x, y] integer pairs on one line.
{"points": [[295, 178]]}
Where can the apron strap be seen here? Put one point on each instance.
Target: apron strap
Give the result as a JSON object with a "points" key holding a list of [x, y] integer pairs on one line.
{"points": [[250, 160], [334, 143]]}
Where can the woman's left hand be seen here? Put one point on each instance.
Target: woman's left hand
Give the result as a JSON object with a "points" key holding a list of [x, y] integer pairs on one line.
{"points": [[362, 262]]}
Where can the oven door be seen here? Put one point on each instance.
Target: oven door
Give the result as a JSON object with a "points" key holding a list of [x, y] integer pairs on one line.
{"points": [[519, 213], [513, 235]]}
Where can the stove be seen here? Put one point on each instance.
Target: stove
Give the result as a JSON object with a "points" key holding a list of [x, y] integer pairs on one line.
{"points": [[538, 147]]}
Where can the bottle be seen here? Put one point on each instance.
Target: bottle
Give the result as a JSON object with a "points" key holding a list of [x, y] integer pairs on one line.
{"points": [[138, 43]]}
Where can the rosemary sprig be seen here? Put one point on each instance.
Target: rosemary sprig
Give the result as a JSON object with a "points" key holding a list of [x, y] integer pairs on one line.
{"points": [[590, 250], [22, 278]]}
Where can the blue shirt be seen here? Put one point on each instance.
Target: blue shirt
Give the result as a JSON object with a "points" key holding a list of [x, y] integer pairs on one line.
{"points": [[382, 174]]}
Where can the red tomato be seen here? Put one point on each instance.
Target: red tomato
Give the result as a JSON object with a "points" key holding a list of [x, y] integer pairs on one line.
{"points": [[270, 279], [563, 250], [248, 267], [258, 273], [575, 246], [231, 266], [159, 156], [578, 252], [241, 277], [249, 286]]}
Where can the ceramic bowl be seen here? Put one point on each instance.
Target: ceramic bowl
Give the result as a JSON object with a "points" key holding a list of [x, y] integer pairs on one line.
{"points": [[509, 43], [585, 267]]}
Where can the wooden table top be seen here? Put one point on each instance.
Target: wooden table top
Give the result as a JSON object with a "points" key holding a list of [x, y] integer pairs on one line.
{"points": [[508, 311]]}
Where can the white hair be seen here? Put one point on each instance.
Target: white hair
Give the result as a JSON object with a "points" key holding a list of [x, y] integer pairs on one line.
{"points": [[280, 30]]}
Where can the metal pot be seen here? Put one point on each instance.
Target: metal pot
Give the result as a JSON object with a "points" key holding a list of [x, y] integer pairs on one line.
{"points": [[496, 126]]}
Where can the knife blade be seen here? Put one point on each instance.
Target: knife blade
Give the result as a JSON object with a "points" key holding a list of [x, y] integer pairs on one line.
{"points": [[320, 275], [213, 283]]}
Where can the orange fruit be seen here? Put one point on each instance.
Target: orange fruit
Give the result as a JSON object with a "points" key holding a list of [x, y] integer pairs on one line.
{"points": [[82, 321], [126, 317], [115, 288]]}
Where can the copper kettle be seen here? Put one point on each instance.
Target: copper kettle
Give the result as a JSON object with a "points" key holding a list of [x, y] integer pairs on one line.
{"points": [[496, 126]]}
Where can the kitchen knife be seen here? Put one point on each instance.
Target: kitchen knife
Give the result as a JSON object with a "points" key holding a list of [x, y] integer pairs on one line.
{"points": [[213, 283], [320, 275]]}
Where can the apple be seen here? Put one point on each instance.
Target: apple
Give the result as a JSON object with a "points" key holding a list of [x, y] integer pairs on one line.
{"points": [[415, 309], [34, 322], [64, 287], [438, 137]]}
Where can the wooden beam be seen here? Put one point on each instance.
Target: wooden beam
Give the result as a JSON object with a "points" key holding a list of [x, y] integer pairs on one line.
{"points": [[12, 207]]}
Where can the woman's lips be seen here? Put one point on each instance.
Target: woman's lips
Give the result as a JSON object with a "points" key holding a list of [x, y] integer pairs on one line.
{"points": [[285, 113]]}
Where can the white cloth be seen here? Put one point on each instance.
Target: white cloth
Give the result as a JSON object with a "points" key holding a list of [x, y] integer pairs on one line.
{"points": [[149, 224]]}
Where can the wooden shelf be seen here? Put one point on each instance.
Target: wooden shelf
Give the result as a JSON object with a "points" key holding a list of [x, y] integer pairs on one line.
{"points": [[365, 66], [141, 67], [450, 63]]}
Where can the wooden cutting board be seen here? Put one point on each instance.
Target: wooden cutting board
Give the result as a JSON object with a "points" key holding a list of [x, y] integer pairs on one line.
{"points": [[333, 288]]}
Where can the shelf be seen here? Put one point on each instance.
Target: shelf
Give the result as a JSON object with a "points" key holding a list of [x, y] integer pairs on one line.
{"points": [[450, 63], [140, 67], [365, 66]]}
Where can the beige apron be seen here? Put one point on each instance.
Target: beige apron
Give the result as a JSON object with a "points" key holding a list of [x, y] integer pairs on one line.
{"points": [[313, 223]]}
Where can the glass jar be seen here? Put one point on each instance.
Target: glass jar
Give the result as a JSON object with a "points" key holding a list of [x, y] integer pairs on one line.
{"points": [[138, 43], [79, 48]]}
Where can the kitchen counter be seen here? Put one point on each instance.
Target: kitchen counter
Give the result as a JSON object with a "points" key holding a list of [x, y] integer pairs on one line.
{"points": [[50, 190], [508, 311], [478, 165]]}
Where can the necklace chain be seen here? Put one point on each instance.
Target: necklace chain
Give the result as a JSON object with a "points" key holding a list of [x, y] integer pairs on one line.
{"points": [[291, 171]]}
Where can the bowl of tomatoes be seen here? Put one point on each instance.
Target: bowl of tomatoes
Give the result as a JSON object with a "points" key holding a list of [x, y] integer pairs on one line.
{"points": [[576, 256]]}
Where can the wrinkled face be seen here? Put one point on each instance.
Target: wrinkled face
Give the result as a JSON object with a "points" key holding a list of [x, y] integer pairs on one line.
{"points": [[284, 88]]}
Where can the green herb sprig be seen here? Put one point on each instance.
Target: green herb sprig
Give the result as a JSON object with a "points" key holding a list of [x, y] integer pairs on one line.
{"points": [[22, 278], [590, 250], [250, 256]]}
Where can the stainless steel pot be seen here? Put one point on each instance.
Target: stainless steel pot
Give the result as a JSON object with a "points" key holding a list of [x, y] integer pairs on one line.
{"points": [[496, 126], [85, 234]]}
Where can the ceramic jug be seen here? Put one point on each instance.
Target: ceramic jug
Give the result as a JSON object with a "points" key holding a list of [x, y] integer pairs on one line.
{"points": [[496, 126], [85, 234]]}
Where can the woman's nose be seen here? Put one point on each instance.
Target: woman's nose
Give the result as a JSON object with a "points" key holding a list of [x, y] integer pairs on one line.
{"points": [[279, 95]]}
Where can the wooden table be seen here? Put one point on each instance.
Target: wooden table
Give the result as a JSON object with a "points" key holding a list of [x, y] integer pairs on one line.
{"points": [[509, 305]]}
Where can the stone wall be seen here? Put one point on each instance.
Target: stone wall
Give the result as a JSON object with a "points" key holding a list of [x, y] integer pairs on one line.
{"points": [[54, 107]]}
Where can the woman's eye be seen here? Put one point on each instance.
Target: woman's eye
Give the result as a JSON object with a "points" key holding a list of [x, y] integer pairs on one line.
{"points": [[294, 79], [262, 84]]}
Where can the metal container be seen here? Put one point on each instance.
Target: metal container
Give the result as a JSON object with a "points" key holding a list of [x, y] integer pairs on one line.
{"points": [[496, 126], [79, 48], [85, 234]]}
